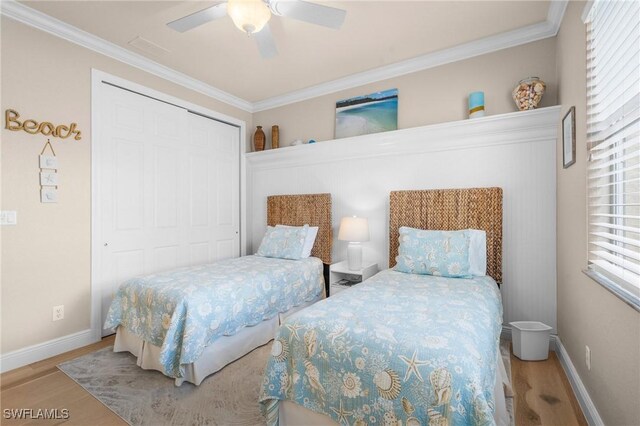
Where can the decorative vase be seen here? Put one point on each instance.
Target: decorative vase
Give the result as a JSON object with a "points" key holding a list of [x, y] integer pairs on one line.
{"points": [[275, 137], [258, 139], [476, 104], [528, 93]]}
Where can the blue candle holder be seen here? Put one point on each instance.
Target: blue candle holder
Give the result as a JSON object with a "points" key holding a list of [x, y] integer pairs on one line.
{"points": [[476, 104]]}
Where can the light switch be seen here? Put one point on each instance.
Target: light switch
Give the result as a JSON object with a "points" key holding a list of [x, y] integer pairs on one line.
{"points": [[8, 217]]}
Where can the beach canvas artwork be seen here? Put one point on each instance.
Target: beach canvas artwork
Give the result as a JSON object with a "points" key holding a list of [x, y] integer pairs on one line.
{"points": [[362, 115]]}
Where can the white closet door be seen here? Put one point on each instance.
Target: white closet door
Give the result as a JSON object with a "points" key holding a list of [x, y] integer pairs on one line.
{"points": [[168, 189], [213, 195]]}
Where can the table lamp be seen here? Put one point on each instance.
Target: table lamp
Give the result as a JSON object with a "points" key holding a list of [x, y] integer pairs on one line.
{"points": [[354, 230]]}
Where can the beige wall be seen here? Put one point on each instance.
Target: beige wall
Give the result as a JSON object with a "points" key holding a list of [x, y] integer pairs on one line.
{"points": [[588, 314], [431, 96], [46, 257]]}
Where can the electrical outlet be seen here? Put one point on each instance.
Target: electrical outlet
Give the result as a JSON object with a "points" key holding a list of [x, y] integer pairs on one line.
{"points": [[587, 357], [58, 312]]}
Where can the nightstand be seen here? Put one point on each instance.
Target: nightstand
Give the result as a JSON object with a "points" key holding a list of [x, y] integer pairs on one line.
{"points": [[340, 271]]}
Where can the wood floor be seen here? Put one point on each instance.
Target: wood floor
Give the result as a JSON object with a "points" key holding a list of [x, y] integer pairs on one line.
{"points": [[543, 394], [42, 385]]}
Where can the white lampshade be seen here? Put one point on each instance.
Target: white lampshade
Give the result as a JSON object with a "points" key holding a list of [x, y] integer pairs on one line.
{"points": [[249, 16], [354, 229]]}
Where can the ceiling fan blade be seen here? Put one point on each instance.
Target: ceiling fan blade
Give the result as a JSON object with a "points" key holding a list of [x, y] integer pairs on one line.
{"points": [[309, 12], [266, 43], [198, 18]]}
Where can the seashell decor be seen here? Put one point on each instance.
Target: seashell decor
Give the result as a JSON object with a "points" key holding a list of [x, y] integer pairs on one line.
{"points": [[440, 380], [280, 350], [388, 384], [310, 341], [528, 93]]}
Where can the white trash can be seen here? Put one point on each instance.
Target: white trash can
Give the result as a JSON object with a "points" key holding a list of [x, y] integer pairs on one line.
{"points": [[530, 340]]}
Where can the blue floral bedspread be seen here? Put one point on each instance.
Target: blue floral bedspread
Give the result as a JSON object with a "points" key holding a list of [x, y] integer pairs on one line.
{"points": [[397, 349], [184, 310]]}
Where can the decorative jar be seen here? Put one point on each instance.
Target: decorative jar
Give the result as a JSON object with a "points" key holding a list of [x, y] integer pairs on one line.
{"points": [[258, 139], [275, 136], [528, 93]]}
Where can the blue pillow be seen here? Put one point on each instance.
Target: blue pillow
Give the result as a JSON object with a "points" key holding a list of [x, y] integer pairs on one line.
{"points": [[441, 253], [283, 243]]}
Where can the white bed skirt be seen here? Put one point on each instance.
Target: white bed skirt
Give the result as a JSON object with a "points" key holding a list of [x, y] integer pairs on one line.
{"points": [[291, 414], [216, 356]]}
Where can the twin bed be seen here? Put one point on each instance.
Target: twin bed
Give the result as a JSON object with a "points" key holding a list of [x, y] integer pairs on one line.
{"points": [[191, 322], [400, 347]]}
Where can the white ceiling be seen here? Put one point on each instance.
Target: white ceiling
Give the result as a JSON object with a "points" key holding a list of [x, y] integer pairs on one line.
{"points": [[375, 33]]}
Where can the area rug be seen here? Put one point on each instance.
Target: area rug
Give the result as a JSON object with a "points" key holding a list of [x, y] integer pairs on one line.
{"points": [[143, 397], [146, 397]]}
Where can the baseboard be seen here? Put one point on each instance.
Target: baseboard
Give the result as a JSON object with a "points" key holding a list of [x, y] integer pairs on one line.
{"points": [[35, 353], [553, 343], [588, 407]]}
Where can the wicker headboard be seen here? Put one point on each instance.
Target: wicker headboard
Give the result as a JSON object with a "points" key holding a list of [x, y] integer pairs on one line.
{"points": [[450, 209], [297, 210]]}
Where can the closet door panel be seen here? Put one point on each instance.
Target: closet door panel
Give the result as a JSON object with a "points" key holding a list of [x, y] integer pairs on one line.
{"points": [[214, 187], [168, 189]]}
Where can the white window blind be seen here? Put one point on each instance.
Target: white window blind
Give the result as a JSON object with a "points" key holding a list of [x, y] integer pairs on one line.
{"points": [[613, 133]]}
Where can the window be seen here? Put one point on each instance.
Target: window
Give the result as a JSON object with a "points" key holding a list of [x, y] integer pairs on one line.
{"points": [[613, 133]]}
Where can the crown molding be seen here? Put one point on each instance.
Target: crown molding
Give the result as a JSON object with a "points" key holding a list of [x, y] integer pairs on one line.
{"points": [[517, 37], [556, 13], [472, 49], [586, 10], [36, 19]]}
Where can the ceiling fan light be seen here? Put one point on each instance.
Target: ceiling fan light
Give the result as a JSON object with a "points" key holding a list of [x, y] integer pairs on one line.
{"points": [[249, 16]]}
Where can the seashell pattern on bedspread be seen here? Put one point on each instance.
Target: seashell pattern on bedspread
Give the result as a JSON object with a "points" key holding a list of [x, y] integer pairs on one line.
{"points": [[397, 349], [184, 310]]}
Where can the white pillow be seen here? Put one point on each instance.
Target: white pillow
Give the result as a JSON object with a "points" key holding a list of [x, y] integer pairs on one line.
{"points": [[477, 252], [312, 232]]}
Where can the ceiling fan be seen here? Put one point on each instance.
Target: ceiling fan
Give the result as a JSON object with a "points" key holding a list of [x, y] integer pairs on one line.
{"points": [[252, 17]]}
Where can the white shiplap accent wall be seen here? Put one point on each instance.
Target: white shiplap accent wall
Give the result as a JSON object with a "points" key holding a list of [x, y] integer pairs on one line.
{"points": [[515, 151]]}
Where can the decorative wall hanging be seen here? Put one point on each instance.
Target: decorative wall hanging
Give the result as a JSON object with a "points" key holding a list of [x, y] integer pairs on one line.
{"points": [[46, 128], [48, 175], [569, 138], [48, 161], [48, 178], [377, 112], [49, 194]]}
